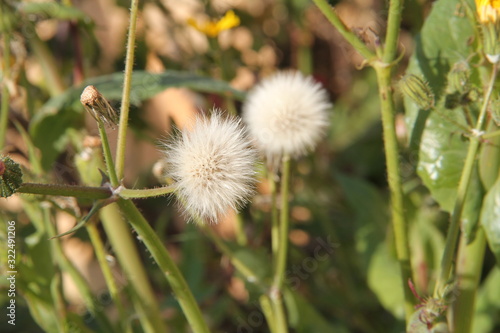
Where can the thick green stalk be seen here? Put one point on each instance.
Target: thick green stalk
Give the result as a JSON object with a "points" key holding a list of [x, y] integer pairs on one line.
{"points": [[127, 83], [166, 264], [454, 229], [276, 293], [100, 253], [4, 111], [332, 16], [119, 236], [399, 223], [84, 192], [469, 266]]}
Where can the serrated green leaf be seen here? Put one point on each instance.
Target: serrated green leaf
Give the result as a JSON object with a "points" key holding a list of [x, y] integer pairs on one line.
{"points": [[490, 219]]}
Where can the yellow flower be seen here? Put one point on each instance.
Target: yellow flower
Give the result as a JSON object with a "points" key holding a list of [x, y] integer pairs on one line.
{"points": [[213, 28], [488, 10]]}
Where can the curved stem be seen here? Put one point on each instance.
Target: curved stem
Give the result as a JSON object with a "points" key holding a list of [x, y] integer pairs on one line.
{"points": [[454, 229], [84, 192], [127, 83], [332, 16], [167, 265], [145, 193]]}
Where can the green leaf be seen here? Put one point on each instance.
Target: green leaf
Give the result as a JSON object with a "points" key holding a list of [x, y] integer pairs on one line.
{"points": [[53, 10], [305, 318], [49, 126], [488, 303], [384, 279], [437, 134], [370, 215], [490, 219]]}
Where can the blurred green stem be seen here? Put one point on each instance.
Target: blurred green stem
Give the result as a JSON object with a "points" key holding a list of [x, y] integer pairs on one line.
{"points": [[54, 82], [107, 153], [143, 296], [100, 253], [66, 265], [4, 112], [127, 83], [166, 264], [274, 214], [332, 16], [469, 266], [276, 292], [454, 229]]}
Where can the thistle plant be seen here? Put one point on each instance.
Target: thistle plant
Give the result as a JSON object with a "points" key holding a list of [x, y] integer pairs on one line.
{"points": [[432, 265]]}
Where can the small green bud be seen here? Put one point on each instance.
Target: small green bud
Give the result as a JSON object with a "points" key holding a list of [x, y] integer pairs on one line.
{"points": [[417, 90], [11, 176], [459, 77]]}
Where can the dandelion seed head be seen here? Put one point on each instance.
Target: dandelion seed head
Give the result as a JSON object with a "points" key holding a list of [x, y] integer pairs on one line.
{"points": [[286, 114], [212, 165]]}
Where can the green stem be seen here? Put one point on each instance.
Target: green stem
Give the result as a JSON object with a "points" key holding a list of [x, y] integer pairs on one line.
{"points": [[241, 237], [392, 34], [469, 265], [66, 265], [332, 16], [166, 264], [119, 236], [127, 83], [491, 135], [142, 293], [274, 215], [107, 153], [146, 193], [276, 292], [399, 222], [454, 229], [4, 112], [84, 192], [96, 241]]}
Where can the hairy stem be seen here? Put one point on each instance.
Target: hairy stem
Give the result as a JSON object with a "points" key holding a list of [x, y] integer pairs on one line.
{"points": [[167, 265], [454, 228], [399, 222], [127, 83], [84, 192]]}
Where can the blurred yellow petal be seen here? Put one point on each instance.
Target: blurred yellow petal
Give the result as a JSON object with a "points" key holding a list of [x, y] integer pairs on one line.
{"points": [[488, 10], [214, 27]]}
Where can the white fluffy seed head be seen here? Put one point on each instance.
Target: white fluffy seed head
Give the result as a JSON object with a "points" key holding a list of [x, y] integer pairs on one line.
{"points": [[286, 114], [212, 165]]}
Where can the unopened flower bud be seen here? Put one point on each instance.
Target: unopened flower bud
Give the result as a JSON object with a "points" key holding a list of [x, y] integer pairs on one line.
{"points": [[11, 176], [98, 106], [417, 90]]}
